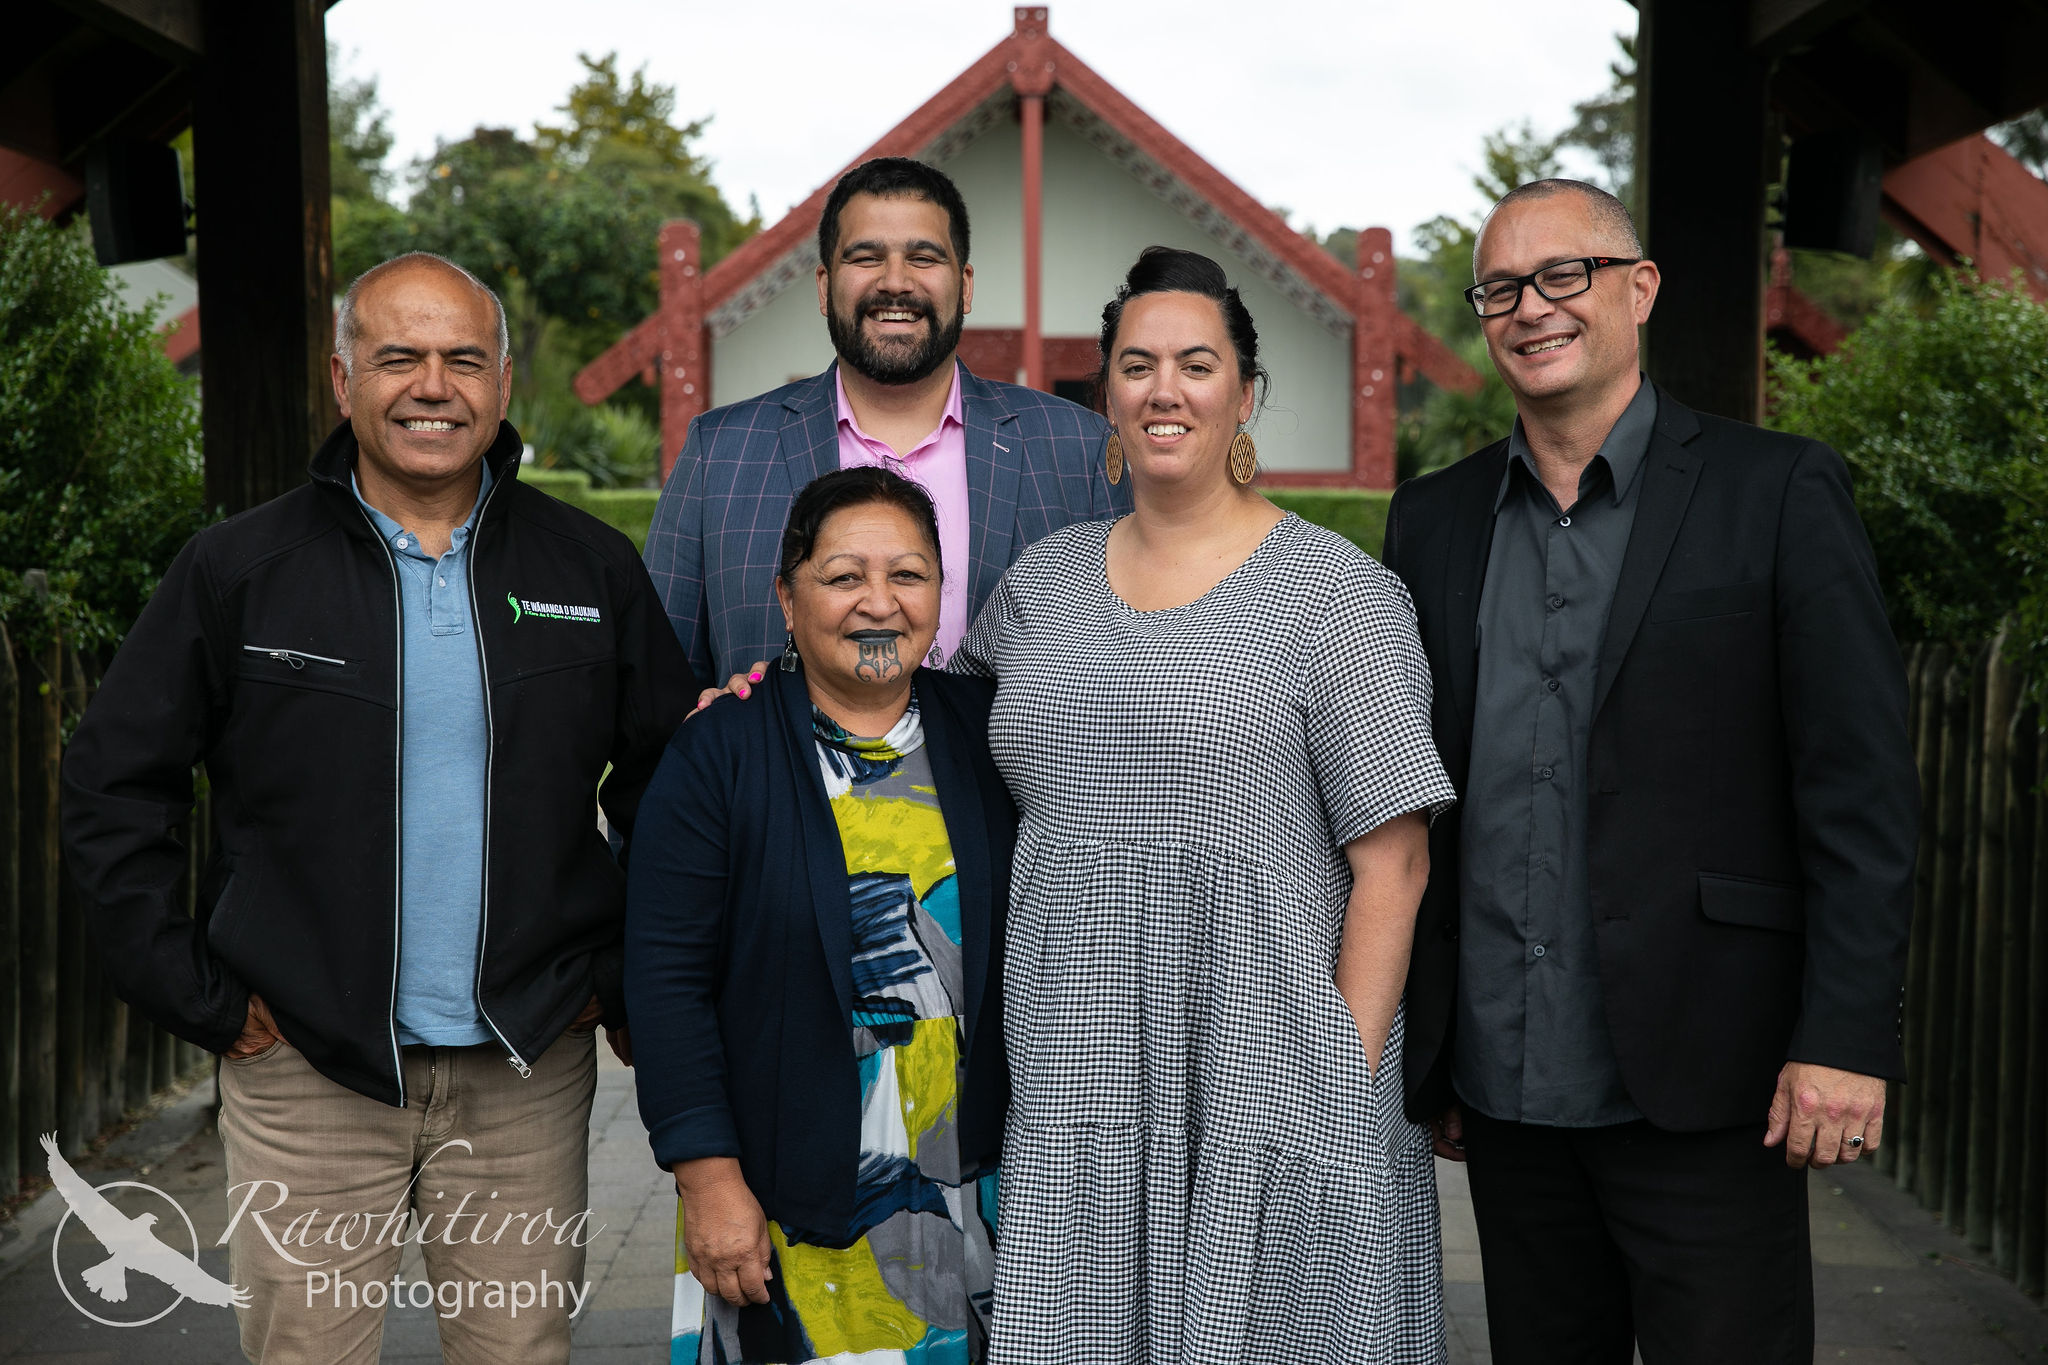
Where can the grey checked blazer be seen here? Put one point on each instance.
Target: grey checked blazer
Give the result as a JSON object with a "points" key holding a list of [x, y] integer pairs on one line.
{"points": [[1034, 465]]}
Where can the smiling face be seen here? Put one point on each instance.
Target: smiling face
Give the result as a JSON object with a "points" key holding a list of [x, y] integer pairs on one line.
{"points": [[1566, 350], [1175, 395], [894, 296], [864, 608], [427, 388]]}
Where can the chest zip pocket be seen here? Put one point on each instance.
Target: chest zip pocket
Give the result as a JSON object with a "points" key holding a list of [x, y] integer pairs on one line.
{"points": [[298, 659]]}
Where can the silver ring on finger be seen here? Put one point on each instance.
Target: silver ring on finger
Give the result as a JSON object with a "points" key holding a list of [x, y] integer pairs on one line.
{"points": [[1855, 1142]]}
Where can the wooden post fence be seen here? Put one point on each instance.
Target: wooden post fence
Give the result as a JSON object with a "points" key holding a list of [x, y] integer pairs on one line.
{"points": [[73, 1057], [1969, 1128], [10, 918]]}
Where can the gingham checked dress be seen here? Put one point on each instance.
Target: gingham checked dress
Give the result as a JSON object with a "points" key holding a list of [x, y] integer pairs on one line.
{"points": [[1199, 1166]]}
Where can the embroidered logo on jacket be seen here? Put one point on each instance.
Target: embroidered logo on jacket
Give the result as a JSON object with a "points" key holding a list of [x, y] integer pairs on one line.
{"points": [[552, 611]]}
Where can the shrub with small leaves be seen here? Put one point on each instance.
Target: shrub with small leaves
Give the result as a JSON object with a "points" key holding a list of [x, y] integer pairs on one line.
{"points": [[1941, 411], [100, 474]]}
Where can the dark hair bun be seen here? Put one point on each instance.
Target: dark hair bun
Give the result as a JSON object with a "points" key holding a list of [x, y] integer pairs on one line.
{"points": [[1170, 270]]}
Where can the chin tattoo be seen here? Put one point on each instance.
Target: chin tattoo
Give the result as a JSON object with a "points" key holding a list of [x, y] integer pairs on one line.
{"points": [[878, 662]]}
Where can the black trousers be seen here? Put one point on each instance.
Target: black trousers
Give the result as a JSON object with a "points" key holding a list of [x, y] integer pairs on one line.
{"points": [[1693, 1246]]}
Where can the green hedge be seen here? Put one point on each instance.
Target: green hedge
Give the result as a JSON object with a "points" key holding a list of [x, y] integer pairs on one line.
{"points": [[1360, 517], [630, 510]]}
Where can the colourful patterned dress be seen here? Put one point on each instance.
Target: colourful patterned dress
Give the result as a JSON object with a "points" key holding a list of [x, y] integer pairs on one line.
{"points": [[915, 1283]]}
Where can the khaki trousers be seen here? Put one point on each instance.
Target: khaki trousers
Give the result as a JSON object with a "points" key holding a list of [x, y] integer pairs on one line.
{"points": [[485, 1170]]}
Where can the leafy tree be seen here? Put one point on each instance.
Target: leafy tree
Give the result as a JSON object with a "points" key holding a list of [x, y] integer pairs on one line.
{"points": [[1850, 288], [358, 137], [617, 443], [367, 226], [1604, 127], [563, 226], [602, 111], [1942, 415], [1441, 426], [1514, 156], [1436, 426], [2026, 137], [100, 478], [574, 212]]}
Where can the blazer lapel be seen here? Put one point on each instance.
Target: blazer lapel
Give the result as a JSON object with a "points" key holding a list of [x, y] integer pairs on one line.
{"points": [[995, 460], [1470, 543], [823, 854], [1669, 474], [810, 433], [967, 831]]}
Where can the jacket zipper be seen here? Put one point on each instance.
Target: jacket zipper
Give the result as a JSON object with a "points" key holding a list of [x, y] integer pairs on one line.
{"points": [[483, 668], [398, 806], [297, 658]]}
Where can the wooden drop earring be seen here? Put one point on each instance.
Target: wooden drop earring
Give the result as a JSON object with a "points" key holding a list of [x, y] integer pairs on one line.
{"points": [[1244, 457]]}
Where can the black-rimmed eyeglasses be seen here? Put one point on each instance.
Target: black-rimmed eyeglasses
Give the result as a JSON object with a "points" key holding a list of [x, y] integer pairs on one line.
{"points": [[1491, 298]]}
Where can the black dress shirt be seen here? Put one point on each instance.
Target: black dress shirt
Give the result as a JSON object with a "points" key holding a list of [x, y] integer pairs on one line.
{"points": [[1532, 1041]]}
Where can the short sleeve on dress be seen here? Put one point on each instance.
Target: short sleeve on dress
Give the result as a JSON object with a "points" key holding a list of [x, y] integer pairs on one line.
{"points": [[975, 655], [1369, 692]]}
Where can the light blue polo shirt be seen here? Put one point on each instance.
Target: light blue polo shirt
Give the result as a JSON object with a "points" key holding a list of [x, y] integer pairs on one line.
{"points": [[442, 773]]}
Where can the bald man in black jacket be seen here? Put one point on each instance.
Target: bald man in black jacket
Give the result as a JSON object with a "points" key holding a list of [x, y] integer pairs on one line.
{"points": [[1657, 972]]}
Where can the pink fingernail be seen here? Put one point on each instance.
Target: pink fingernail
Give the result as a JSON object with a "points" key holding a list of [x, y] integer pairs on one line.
{"points": [[702, 703], [753, 677]]}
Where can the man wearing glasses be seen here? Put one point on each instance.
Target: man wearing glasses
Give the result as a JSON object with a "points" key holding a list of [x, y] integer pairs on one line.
{"points": [[1656, 974]]}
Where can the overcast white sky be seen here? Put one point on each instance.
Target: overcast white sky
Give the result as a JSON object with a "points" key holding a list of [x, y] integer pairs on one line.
{"points": [[1359, 114]]}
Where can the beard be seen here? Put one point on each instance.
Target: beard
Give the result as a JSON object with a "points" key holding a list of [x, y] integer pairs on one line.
{"points": [[894, 362]]}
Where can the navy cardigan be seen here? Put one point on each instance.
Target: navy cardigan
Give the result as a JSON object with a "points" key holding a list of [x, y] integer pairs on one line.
{"points": [[739, 945]]}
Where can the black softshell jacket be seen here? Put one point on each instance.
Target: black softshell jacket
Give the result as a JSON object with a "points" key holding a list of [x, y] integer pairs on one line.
{"points": [[271, 653]]}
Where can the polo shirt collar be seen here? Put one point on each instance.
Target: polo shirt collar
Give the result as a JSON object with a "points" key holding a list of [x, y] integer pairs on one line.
{"points": [[391, 531]]}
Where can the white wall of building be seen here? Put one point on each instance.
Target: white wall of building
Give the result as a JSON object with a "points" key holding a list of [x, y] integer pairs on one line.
{"points": [[785, 340], [1097, 219], [989, 174]]}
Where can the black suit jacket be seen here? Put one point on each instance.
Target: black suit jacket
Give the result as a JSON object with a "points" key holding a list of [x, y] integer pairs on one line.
{"points": [[1753, 802]]}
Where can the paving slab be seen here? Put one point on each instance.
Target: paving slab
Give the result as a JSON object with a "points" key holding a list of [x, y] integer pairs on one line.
{"points": [[1893, 1285]]}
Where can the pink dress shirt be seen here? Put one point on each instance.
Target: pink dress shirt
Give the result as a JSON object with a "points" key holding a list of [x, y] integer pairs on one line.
{"points": [[938, 464]]}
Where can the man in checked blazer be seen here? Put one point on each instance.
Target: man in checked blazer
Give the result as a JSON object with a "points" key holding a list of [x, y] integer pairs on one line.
{"points": [[1005, 465], [1656, 973]]}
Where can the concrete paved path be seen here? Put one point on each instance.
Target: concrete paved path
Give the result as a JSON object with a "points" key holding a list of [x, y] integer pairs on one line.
{"points": [[1894, 1287]]}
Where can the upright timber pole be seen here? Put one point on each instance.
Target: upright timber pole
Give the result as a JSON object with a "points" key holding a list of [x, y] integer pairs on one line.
{"points": [[1374, 362], [1704, 160], [1031, 76], [685, 351], [266, 257]]}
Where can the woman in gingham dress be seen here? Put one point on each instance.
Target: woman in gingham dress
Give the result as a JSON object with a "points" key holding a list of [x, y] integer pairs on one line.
{"points": [[1214, 719]]}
